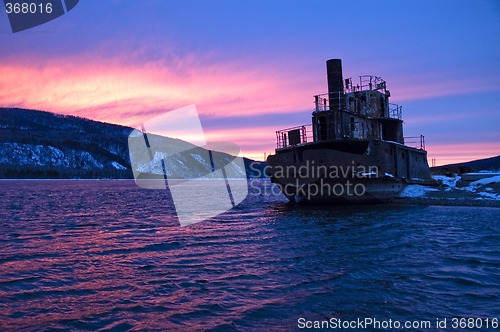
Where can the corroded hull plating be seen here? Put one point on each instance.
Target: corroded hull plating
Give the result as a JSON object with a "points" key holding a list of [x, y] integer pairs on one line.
{"points": [[347, 171]]}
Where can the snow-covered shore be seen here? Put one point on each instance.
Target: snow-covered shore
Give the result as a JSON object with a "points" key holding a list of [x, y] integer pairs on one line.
{"points": [[455, 191]]}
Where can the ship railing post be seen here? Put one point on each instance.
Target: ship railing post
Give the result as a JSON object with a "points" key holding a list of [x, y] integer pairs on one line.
{"points": [[316, 103]]}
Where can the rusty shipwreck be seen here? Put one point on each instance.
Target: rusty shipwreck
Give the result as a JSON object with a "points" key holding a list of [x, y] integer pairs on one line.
{"points": [[354, 150]]}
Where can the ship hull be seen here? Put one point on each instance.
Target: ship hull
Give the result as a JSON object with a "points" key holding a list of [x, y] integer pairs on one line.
{"points": [[342, 192], [347, 171]]}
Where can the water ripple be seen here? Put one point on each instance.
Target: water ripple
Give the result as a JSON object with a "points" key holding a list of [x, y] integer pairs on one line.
{"points": [[90, 255]]}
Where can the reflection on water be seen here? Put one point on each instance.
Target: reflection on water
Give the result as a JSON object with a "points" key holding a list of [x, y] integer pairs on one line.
{"points": [[107, 254]]}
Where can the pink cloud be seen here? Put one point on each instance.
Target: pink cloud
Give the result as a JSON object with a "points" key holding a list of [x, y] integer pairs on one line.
{"points": [[129, 91], [109, 90], [253, 141], [462, 152]]}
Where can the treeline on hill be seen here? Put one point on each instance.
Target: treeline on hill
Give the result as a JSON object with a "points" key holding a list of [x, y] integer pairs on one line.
{"points": [[487, 164], [44, 128], [42, 172], [72, 135], [107, 144]]}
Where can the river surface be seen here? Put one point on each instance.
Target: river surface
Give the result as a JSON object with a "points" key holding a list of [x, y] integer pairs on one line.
{"points": [[89, 255]]}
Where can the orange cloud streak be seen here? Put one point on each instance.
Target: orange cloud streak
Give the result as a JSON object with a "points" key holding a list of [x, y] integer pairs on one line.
{"points": [[108, 90]]}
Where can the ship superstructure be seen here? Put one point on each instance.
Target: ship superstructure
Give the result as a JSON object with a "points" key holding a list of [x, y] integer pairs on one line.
{"points": [[354, 150]]}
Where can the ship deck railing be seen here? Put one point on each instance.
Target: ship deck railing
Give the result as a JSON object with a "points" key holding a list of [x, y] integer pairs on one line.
{"points": [[321, 103], [395, 111], [366, 82], [299, 135], [294, 136], [417, 142]]}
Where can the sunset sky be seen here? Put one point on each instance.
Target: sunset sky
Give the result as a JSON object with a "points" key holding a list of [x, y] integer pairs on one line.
{"points": [[252, 67]]}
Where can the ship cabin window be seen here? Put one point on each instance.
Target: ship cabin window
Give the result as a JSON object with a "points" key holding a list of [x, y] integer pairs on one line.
{"points": [[322, 130]]}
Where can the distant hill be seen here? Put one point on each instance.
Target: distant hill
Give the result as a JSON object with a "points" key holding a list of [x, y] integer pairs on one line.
{"points": [[487, 164], [39, 144]]}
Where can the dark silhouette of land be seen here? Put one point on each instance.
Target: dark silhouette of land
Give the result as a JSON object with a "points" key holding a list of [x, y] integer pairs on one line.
{"points": [[38, 144]]}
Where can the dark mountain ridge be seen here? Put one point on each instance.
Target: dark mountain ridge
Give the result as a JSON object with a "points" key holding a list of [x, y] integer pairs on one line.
{"points": [[40, 144], [486, 164], [491, 164]]}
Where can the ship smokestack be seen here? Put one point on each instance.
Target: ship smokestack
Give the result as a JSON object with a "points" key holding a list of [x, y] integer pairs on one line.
{"points": [[335, 84]]}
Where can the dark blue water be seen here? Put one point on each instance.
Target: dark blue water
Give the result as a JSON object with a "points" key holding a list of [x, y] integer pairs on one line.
{"points": [[87, 255]]}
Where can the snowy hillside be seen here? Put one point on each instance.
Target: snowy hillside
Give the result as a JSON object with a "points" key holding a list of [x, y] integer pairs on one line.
{"points": [[36, 144]]}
